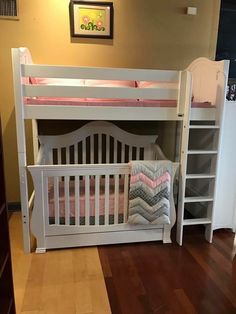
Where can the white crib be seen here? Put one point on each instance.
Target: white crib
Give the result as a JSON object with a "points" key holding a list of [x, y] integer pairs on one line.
{"points": [[81, 188]]}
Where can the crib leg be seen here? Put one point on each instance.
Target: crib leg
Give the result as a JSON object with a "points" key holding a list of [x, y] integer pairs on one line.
{"points": [[166, 234], [40, 250]]}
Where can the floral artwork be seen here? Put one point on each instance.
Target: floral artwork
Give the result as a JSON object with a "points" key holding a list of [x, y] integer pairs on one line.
{"points": [[91, 19]]}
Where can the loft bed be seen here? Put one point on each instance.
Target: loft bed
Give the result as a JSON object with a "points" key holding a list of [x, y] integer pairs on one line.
{"points": [[71, 92]]}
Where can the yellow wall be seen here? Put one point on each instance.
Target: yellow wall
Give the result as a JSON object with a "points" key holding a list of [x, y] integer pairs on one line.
{"points": [[147, 34]]}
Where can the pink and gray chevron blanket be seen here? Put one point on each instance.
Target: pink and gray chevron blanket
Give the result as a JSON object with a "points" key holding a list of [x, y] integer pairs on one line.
{"points": [[149, 195]]}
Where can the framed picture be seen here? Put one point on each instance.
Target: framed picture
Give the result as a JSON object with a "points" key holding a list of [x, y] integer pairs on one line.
{"points": [[9, 9], [91, 19]]}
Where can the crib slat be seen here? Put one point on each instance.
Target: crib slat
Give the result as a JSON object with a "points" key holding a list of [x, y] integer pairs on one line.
{"points": [[130, 153], [107, 183], [76, 153], [56, 200], [97, 192], [87, 200], [116, 200], [67, 200], [67, 155], [92, 149], [46, 190], [126, 190], [122, 152], [107, 149], [77, 203], [84, 152], [99, 148]]}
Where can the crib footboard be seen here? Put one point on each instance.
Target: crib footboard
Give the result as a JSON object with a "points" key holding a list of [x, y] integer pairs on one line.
{"points": [[80, 205]]}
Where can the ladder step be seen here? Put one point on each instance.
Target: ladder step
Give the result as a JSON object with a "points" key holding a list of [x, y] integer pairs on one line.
{"points": [[200, 176], [195, 152], [196, 221], [195, 199], [204, 126]]}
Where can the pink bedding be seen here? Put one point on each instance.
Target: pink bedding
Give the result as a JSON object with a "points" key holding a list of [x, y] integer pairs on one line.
{"points": [[82, 198]]}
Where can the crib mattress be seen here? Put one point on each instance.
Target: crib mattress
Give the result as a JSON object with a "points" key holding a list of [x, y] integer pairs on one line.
{"points": [[82, 202], [46, 101]]}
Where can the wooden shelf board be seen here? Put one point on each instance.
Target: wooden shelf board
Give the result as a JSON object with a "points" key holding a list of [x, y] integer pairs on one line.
{"points": [[196, 151]]}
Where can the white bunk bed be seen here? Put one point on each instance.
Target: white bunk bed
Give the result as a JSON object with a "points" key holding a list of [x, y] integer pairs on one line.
{"points": [[169, 98]]}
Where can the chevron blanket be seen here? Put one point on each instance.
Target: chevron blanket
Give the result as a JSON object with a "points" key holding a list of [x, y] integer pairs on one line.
{"points": [[149, 195]]}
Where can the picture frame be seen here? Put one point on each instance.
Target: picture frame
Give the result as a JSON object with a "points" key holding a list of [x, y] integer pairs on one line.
{"points": [[91, 19], [9, 9]]}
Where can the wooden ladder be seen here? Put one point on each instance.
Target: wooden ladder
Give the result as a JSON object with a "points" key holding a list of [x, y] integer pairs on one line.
{"points": [[199, 150]]}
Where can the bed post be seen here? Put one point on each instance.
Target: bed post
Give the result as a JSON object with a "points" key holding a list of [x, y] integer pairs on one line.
{"points": [[220, 120], [35, 139], [21, 145], [185, 106]]}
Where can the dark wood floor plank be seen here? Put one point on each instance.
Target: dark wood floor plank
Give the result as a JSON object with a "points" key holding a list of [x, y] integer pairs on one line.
{"points": [[146, 278], [220, 279], [113, 297], [105, 264], [184, 300], [224, 241]]}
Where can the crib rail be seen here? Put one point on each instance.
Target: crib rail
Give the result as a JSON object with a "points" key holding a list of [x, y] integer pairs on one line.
{"points": [[82, 195]]}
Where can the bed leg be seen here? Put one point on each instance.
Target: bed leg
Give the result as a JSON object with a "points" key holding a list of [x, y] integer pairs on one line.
{"points": [[166, 234], [40, 250]]}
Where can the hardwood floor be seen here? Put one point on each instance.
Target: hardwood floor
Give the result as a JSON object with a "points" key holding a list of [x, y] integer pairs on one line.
{"points": [[142, 278], [156, 278], [62, 281]]}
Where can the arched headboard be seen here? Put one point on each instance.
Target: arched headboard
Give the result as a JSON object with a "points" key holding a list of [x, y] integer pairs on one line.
{"points": [[96, 142]]}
